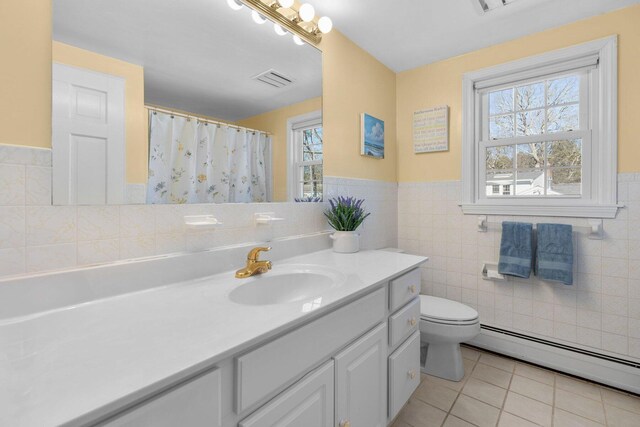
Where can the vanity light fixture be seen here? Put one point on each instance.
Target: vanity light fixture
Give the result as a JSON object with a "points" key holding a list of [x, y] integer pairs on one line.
{"points": [[235, 4], [286, 18], [307, 12], [285, 3], [257, 18], [325, 24], [279, 30]]}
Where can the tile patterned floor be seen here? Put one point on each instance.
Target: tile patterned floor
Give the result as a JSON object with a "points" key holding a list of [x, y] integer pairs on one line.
{"points": [[497, 391]]}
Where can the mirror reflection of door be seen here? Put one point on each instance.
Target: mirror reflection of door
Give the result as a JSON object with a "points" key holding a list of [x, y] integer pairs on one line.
{"points": [[88, 137], [221, 87]]}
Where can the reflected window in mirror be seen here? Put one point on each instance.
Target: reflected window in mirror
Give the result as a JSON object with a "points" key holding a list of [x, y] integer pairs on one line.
{"points": [[190, 70], [307, 150]]}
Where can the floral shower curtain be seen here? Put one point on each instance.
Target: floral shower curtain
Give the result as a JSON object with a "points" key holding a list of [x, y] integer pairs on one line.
{"points": [[196, 162]]}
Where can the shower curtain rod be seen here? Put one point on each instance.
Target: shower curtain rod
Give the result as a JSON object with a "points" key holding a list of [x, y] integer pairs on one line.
{"points": [[202, 119]]}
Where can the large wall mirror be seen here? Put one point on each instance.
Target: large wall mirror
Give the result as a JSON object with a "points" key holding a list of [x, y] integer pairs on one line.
{"points": [[165, 101]]}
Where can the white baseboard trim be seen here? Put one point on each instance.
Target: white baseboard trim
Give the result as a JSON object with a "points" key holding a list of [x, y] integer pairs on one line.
{"points": [[593, 368]]}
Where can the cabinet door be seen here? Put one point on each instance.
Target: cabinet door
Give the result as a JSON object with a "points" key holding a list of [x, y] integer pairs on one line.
{"points": [[194, 404], [307, 403], [361, 381], [404, 373]]}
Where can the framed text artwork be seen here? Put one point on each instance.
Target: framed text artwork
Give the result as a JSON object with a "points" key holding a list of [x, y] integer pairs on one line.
{"points": [[431, 129]]}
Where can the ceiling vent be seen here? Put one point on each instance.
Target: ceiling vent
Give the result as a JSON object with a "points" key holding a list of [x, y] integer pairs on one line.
{"points": [[274, 78], [485, 6]]}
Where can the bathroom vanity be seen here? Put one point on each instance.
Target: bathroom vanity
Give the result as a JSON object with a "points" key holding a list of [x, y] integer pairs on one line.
{"points": [[329, 340]]}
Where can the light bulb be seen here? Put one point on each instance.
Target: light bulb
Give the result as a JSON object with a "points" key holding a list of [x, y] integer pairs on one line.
{"points": [[257, 18], [285, 3], [297, 40], [307, 12], [324, 24], [235, 4], [279, 30]]}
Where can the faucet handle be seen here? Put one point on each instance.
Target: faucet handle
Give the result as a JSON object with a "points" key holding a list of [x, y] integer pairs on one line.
{"points": [[255, 253]]}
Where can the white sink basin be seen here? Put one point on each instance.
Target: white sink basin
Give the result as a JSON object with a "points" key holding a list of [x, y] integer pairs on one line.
{"points": [[287, 284]]}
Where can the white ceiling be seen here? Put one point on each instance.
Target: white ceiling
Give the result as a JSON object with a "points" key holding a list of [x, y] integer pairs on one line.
{"points": [[198, 55], [405, 34]]}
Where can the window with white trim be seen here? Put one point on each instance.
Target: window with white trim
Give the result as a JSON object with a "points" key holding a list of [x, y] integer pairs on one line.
{"points": [[534, 136], [306, 174], [540, 133]]}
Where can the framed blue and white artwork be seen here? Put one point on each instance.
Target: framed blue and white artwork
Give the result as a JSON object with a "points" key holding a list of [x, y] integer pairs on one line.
{"points": [[371, 136]]}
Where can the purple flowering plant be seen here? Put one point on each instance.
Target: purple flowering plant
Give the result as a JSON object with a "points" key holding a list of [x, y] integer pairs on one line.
{"points": [[346, 213]]}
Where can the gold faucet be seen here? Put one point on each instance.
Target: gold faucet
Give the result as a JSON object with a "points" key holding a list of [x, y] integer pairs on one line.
{"points": [[254, 266]]}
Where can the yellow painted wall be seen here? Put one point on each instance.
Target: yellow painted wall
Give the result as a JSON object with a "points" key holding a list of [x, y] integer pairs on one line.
{"points": [[275, 122], [25, 72], [441, 83], [136, 135], [354, 82]]}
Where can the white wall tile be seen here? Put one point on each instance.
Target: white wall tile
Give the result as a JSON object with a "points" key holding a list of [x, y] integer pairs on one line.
{"points": [[51, 224], [22, 155], [32, 232], [12, 226], [98, 251], [137, 247], [98, 222], [12, 185], [12, 261], [137, 220], [50, 257], [170, 243], [615, 343], [597, 311], [38, 185], [615, 324]]}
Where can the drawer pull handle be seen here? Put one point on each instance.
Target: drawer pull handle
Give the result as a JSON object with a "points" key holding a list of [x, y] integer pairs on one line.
{"points": [[345, 424], [412, 374], [412, 289], [413, 321]]}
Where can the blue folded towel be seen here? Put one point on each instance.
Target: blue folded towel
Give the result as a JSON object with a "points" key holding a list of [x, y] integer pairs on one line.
{"points": [[554, 259], [516, 249]]}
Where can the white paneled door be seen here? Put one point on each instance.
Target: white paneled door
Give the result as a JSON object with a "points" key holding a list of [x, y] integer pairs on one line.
{"points": [[88, 137]]}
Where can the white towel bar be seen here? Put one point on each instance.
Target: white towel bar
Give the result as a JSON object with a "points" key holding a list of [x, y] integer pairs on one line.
{"points": [[594, 230]]}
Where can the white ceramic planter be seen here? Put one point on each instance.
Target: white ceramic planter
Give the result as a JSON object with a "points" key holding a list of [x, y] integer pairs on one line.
{"points": [[346, 242]]}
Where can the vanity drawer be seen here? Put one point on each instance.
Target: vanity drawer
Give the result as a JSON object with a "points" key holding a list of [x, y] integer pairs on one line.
{"points": [[404, 322], [403, 289], [261, 372], [404, 373]]}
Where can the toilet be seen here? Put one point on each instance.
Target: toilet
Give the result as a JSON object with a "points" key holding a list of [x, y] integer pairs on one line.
{"points": [[444, 324]]}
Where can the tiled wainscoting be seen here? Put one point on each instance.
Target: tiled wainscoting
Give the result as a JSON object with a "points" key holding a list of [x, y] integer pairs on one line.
{"points": [[35, 236], [380, 229], [600, 311]]}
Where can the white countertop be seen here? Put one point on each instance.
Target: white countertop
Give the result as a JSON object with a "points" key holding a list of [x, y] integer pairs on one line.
{"points": [[72, 364]]}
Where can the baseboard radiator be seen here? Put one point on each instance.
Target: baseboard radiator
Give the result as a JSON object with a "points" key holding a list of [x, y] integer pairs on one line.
{"points": [[602, 368]]}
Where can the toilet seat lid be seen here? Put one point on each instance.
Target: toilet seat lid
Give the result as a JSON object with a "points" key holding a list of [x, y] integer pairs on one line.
{"points": [[444, 309]]}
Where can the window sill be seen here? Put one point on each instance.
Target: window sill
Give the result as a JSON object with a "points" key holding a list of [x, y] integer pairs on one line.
{"points": [[576, 211]]}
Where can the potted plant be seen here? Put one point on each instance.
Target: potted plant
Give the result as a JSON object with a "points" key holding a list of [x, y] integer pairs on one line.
{"points": [[345, 216]]}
